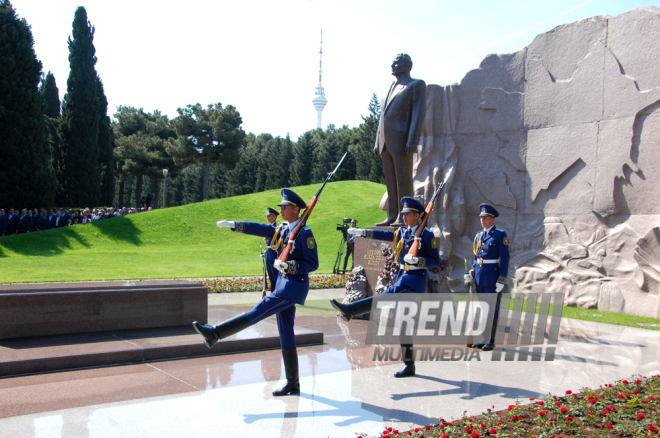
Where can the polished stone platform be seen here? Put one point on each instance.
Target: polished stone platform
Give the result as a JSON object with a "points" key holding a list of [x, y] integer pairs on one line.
{"points": [[56, 353], [47, 309], [343, 390]]}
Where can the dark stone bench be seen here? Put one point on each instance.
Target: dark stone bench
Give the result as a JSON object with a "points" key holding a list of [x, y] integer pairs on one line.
{"points": [[47, 309]]}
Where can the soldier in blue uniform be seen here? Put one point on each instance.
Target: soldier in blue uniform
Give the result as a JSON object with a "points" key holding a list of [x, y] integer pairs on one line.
{"points": [[412, 276], [270, 254], [490, 265], [291, 288]]}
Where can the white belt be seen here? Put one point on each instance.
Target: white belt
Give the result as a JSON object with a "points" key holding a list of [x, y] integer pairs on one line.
{"points": [[486, 262], [410, 267]]}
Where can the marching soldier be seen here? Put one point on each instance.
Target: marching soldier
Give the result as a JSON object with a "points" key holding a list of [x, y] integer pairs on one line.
{"points": [[490, 265], [270, 254], [412, 276], [292, 286]]}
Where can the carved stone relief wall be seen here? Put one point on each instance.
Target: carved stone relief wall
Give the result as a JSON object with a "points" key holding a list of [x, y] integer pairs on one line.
{"points": [[563, 138]]}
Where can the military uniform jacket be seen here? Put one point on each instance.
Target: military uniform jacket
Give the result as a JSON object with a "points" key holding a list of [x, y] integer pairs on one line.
{"points": [[492, 246], [304, 259], [268, 239], [402, 240]]}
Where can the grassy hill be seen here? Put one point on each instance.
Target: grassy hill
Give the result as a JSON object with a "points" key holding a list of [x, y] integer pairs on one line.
{"points": [[180, 242]]}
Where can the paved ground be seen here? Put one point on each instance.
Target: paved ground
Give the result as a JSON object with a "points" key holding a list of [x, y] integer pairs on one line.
{"points": [[344, 391]]}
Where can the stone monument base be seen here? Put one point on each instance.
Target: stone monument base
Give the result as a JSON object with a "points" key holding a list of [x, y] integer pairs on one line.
{"points": [[48, 309], [368, 255]]}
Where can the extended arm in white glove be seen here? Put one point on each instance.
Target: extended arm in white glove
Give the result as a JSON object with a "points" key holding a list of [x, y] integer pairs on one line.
{"points": [[228, 224], [356, 231]]}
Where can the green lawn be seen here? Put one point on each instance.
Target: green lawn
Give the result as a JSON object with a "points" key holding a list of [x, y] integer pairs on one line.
{"points": [[595, 315], [180, 242]]}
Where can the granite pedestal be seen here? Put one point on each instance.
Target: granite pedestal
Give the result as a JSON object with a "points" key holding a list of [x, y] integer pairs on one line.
{"points": [[48, 309]]}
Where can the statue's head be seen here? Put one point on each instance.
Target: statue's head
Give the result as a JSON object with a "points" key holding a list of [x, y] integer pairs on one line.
{"points": [[402, 64]]}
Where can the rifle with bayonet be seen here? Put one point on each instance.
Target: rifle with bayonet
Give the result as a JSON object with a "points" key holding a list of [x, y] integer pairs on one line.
{"points": [[470, 311], [263, 259], [425, 216], [284, 256]]}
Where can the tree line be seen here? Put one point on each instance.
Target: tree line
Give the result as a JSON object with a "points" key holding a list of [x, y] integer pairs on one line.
{"points": [[71, 153], [201, 168]]}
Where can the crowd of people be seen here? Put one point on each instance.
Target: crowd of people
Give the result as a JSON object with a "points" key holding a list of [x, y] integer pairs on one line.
{"points": [[26, 221]]}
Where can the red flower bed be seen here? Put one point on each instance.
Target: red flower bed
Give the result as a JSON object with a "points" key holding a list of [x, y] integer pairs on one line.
{"points": [[248, 284], [627, 408]]}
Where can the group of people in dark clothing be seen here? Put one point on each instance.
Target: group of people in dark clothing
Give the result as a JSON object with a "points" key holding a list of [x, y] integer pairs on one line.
{"points": [[26, 220]]}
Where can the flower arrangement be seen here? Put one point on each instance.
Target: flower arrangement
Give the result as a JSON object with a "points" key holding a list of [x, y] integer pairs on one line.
{"points": [[627, 408], [247, 284]]}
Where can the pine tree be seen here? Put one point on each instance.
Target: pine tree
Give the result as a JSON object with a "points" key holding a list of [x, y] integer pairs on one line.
{"points": [[106, 145], [80, 119], [241, 179], [368, 166], [207, 135], [302, 160], [323, 154], [26, 178], [142, 141]]}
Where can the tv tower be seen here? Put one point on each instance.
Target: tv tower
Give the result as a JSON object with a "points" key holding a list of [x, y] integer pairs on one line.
{"points": [[320, 100]]}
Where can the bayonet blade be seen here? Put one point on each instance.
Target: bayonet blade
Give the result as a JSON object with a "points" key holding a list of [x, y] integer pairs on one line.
{"points": [[338, 164]]}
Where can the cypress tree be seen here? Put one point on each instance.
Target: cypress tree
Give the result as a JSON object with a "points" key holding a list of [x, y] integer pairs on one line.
{"points": [[51, 96], [80, 119], [26, 179], [106, 143]]}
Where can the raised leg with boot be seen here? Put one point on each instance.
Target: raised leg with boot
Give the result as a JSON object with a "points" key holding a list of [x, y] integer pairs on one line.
{"points": [[355, 308], [292, 385], [213, 334]]}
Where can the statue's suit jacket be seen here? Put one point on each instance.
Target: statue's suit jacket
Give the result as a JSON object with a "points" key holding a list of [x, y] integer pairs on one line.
{"points": [[401, 117]]}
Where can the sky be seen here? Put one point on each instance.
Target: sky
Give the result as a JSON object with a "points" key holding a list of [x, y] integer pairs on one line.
{"points": [[262, 57]]}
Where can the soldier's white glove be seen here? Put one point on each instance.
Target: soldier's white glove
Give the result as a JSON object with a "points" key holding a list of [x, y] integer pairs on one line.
{"points": [[356, 231], [467, 278], [499, 287], [411, 260], [228, 224], [280, 265], [262, 256]]}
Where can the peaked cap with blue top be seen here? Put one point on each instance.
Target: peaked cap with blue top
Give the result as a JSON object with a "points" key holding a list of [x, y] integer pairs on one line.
{"points": [[487, 210], [289, 197], [270, 211], [411, 205]]}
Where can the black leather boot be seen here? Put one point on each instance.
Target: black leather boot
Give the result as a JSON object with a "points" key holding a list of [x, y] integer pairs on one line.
{"points": [[213, 334], [407, 353], [292, 385], [488, 346], [350, 310], [480, 344]]}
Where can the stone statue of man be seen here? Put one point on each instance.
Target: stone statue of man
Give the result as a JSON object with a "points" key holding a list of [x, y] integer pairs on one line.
{"points": [[398, 135]]}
